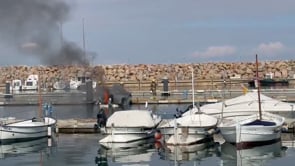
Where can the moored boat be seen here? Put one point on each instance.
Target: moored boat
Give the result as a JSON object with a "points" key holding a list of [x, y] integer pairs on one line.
{"points": [[31, 82], [12, 131], [129, 126], [188, 130], [60, 85], [269, 81], [254, 129], [16, 85], [245, 105], [193, 128]]}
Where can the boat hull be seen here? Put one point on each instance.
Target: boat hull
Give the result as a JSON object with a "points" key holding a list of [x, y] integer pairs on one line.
{"points": [[128, 137], [26, 130], [248, 131], [248, 134], [125, 140], [270, 82], [187, 130]]}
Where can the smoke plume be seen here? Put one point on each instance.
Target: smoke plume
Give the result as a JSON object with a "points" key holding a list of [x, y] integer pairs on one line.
{"points": [[33, 27]]}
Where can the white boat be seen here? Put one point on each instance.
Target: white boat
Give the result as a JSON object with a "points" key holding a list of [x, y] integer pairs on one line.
{"points": [[191, 129], [59, 85], [245, 105], [252, 129], [12, 130], [259, 128], [257, 155], [16, 85], [31, 83], [188, 130], [76, 83], [128, 126]]}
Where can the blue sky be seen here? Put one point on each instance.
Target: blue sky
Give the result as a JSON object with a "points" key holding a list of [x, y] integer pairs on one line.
{"points": [[183, 31]]}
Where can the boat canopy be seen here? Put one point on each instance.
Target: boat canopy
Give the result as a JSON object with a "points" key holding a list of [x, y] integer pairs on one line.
{"points": [[193, 120]]}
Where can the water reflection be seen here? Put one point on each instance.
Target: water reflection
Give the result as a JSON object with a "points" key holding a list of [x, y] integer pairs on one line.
{"points": [[258, 155], [82, 111], [195, 152], [22, 148], [124, 153]]}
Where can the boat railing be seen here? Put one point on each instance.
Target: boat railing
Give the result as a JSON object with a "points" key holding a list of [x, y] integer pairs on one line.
{"points": [[213, 95]]}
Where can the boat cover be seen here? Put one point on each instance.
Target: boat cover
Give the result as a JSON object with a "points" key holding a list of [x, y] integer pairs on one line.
{"points": [[248, 102], [133, 118]]}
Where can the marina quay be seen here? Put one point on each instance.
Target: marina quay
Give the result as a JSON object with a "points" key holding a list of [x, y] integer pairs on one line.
{"points": [[214, 82], [60, 84]]}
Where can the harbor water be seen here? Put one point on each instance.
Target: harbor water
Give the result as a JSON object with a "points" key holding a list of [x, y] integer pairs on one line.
{"points": [[84, 150]]}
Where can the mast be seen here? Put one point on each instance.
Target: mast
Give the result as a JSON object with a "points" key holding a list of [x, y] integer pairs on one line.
{"points": [[193, 88], [258, 88], [61, 34], [39, 96], [83, 33], [222, 95]]}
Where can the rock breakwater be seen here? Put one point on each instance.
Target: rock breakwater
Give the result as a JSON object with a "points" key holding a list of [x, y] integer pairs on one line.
{"points": [[147, 72]]}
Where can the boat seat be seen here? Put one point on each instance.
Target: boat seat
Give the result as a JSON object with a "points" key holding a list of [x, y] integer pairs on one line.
{"points": [[260, 122]]}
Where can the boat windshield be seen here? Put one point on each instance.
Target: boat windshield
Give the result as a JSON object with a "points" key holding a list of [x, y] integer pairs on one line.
{"points": [[29, 83]]}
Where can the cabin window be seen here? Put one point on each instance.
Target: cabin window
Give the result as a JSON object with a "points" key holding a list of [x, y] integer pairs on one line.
{"points": [[29, 83]]}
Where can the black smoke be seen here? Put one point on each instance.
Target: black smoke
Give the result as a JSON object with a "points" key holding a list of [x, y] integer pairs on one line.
{"points": [[34, 27]]}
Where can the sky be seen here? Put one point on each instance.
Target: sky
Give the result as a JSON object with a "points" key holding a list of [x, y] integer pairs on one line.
{"points": [[180, 31]]}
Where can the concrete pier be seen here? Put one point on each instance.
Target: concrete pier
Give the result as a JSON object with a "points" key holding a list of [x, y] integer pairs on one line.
{"points": [[55, 98], [71, 126]]}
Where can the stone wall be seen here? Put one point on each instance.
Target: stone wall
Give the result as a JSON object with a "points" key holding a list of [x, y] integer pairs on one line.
{"points": [[146, 72]]}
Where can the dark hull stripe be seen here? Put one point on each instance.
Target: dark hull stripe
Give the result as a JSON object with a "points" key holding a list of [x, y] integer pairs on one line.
{"points": [[249, 145], [15, 140]]}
